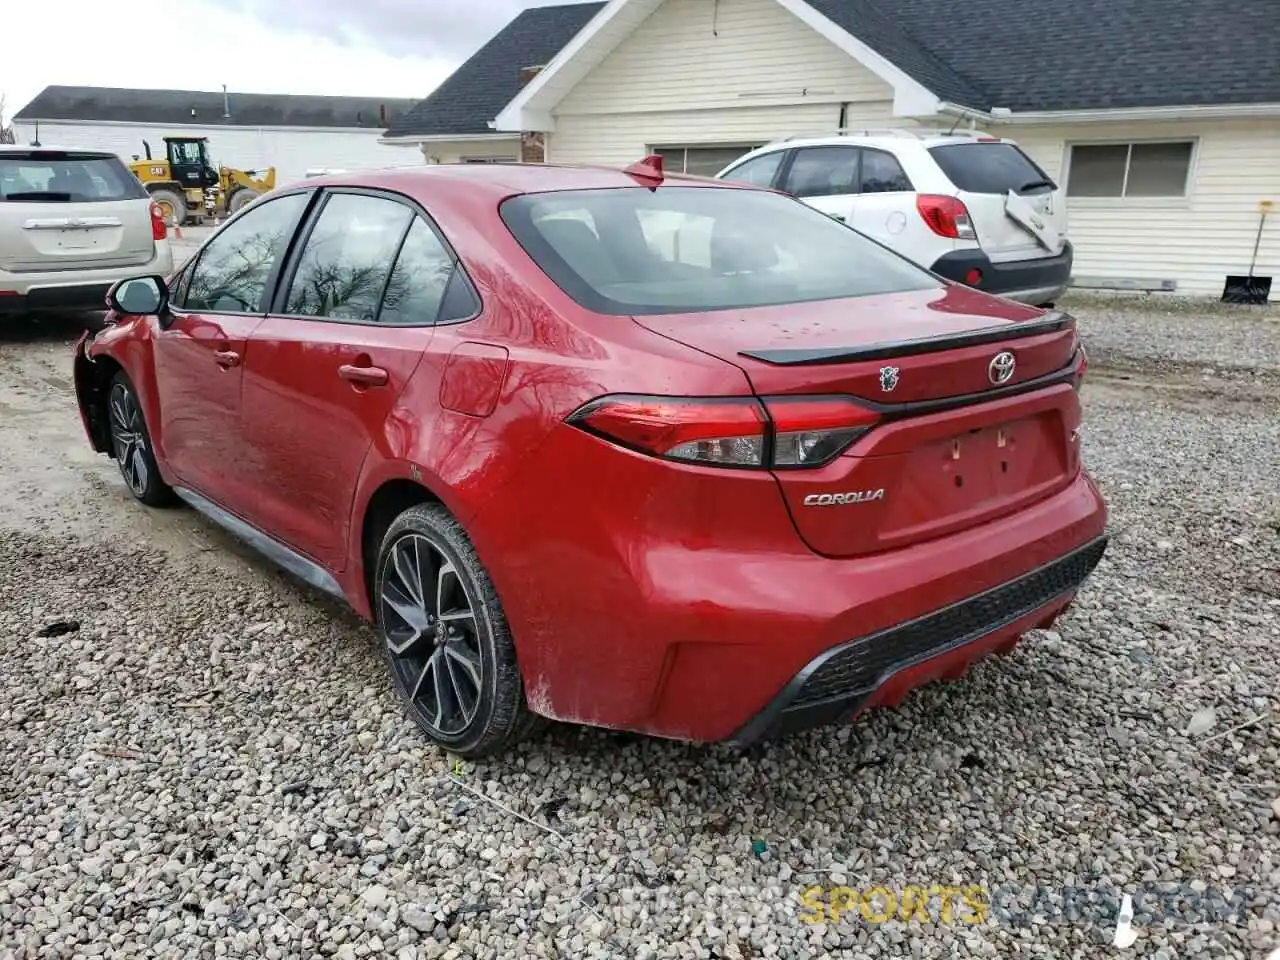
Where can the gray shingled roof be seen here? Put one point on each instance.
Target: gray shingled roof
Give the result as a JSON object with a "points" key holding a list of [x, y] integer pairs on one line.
{"points": [[1075, 54], [478, 90], [1021, 54], [170, 107]]}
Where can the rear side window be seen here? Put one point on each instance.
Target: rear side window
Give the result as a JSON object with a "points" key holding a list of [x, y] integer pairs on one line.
{"points": [[823, 172], [991, 168], [881, 173], [54, 176], [426, 285], [347, 258]]}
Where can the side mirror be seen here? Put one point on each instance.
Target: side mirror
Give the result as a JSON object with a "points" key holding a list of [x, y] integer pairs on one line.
{"points": [[139, 295]]}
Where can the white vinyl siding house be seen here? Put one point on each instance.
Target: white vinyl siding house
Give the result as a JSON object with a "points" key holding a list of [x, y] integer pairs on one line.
{"points": [[1156, 237], [736, 73], [1164, 169]]}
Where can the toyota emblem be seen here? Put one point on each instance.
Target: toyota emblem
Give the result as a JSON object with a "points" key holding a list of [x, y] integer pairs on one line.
{"points": [[1000, 369]]}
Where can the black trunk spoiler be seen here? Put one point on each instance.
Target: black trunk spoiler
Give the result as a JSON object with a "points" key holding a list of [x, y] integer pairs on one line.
{"points": [[888, 349]]}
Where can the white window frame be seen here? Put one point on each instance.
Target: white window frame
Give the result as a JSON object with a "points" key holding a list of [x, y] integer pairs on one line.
{"points": [[1130, 142]]}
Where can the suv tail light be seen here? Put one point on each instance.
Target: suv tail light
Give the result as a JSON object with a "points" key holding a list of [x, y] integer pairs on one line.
{"points": [[946, 216], [159, 229], [772, 432]]}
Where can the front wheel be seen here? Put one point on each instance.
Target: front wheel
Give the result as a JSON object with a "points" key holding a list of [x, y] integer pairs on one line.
{"points": [[446, 638], [131, 444]]}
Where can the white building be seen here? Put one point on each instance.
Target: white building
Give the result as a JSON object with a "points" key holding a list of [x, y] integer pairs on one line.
{"points": [[1160, 117], [250, 131]]}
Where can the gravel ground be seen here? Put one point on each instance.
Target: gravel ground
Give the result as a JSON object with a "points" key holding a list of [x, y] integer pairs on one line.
{"points": [[201, 759]]}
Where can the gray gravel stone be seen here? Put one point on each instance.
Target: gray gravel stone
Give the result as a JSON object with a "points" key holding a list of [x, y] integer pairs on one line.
{"points": [[214, 764]]}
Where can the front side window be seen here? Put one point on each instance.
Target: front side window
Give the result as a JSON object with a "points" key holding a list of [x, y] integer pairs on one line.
{"points": [[823, 172], [685, 249], [347, 258], [232, 272]]}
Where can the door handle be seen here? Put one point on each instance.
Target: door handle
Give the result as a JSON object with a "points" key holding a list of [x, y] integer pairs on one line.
{"points": [[227, 358], [364, 376], [838, 216]]}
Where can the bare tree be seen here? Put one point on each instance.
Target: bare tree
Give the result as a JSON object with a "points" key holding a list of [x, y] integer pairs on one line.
{"points": [[6, 129]]}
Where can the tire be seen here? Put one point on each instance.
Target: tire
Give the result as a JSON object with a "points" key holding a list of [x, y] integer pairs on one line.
{"points": [[484, 709], [241, 199], [131, 444], [174, 204]]}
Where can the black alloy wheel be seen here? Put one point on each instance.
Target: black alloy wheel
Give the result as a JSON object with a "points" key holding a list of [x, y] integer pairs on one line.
{"points": [[445, 637], [131, 444]]}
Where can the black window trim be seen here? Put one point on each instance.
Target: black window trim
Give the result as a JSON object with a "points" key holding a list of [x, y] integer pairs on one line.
{"points": [[290, 265], [273, 275]]}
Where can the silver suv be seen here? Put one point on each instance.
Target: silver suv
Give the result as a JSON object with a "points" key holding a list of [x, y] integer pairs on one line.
{"points": [[72, 222]]}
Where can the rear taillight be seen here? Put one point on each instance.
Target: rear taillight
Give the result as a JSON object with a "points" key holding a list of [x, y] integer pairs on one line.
{"points": [[1081, 365], [159, 230], [783, 432], [946, 216]]}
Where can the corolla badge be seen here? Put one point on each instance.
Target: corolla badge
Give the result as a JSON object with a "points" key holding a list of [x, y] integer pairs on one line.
{"points": [[888, 378], [1000, 369]]}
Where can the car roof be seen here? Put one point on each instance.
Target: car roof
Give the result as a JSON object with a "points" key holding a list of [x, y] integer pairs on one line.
{"points": [[507, 179]]}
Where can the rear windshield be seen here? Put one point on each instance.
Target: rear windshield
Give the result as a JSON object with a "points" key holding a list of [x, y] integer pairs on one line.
{"points": [[633, 250], [991, 168], [58, 177]]}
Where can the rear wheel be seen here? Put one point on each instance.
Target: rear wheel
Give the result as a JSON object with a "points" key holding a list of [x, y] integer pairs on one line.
{"points": [[172, 205], [446, 638], [131, 444]]}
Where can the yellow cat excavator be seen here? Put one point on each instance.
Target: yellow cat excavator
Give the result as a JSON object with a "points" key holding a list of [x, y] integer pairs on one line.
{"points": [[189, 186]]}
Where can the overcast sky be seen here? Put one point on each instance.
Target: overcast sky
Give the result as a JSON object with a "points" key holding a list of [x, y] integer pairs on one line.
{"points": [[391, 48]]}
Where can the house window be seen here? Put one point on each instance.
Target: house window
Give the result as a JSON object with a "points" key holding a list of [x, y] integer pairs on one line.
{"points": [[702, 161], [1129, 169]]}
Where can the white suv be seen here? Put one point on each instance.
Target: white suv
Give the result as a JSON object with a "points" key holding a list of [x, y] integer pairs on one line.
{"points": [[971, 207], [72, 223]]}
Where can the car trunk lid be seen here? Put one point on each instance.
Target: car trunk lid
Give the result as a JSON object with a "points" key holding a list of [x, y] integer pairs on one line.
{"points": [[960, 437], [1015, 208]]}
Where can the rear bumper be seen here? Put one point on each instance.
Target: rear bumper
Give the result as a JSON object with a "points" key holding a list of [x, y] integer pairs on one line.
{"points": [[1036, 282], [881, 668], [74, 290]]}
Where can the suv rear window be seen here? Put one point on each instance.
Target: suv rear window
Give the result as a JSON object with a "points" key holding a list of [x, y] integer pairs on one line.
{"points": [[991, 168], [631, 250], [55, 176]]}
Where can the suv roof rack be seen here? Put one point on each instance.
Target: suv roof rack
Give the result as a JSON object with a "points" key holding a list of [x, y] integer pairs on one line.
{"points": [[908, 133]]}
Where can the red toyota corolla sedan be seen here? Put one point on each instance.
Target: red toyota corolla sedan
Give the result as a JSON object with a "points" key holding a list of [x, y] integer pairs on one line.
{"points": [[662, 454]]}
